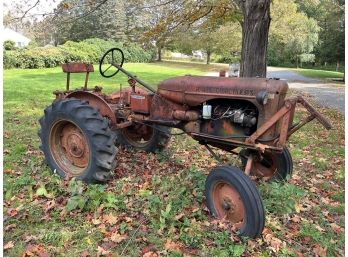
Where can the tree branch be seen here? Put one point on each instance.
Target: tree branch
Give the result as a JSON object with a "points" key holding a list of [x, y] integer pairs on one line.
{"points": [[25, 13]]}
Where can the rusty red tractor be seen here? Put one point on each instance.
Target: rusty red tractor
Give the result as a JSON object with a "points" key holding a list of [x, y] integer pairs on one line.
{"points": [[249, 117]]}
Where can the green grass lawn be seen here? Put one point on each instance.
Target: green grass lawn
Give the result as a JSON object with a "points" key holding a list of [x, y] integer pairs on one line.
{"points": [[155, 204], [319, 74]]}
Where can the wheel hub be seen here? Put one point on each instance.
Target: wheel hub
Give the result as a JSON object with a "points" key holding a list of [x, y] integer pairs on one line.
{"points": [[228, 203], [69, 147], [265, 166], [138, 134]]}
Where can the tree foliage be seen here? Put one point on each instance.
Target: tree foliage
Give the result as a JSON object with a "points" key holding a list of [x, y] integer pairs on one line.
{"points": [[225, 40], [292, 33], [197, 19], [299, 29]]}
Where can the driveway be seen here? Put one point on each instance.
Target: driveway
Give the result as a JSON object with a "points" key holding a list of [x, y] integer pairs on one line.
{"points": [[289, 75], [326, 94]]}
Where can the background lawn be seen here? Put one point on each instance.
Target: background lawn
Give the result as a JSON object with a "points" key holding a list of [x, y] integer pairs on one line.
{"points": [[155, 203], [320, 74]]}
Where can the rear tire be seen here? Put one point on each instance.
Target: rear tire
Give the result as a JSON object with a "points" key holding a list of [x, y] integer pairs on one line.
{"points": [[77, 141], [232, 195], [144, 138]]}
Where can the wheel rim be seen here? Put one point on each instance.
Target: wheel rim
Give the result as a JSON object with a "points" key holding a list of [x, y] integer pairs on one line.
{"points": [[138, 135], [266, 166], [69, 147], [228, 204]]}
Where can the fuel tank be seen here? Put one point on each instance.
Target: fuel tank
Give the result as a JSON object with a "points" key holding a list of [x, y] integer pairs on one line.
{"points": [[194, 90]]}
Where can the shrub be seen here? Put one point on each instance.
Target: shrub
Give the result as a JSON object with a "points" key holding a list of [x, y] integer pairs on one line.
{"points": [[89, 50], [10, 59], [9, 45], [228, 59]]}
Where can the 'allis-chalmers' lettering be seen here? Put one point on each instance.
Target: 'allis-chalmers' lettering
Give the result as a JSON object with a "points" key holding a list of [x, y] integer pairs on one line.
{"points": [[226, 90]]}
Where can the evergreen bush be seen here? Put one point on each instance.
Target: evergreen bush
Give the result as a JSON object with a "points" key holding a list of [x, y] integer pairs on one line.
{"points": [[89, 51]]}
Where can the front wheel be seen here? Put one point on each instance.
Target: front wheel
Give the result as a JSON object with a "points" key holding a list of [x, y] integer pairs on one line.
{"points": [[143, 137], [77, 141], [231, 195], [270, 166]]}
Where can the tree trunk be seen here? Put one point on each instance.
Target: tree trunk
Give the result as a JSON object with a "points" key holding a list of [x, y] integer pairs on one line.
{"points": [[255, 28], [159, 53], [337, 65], [296, 61], [208, 57]]}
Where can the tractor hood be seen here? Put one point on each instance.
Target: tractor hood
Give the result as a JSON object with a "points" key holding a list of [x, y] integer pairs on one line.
{"points": [[194, 90]]}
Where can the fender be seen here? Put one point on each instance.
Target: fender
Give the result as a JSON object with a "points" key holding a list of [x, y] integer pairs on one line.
{"points": [[95, 101]]}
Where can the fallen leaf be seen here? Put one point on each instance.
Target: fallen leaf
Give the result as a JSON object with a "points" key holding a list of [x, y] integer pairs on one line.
{"points": [[102, 251], [8, 245], [110, 218], [196, 209], [336, 228], [28, 238], [306, 239], [10, 226], [299, 254], [128, 219], [147, 249], [150, 254], [96, 221], [172, 246], [296, 218], [85, 253], [276, 244], [116, 237], [35, 250], [49, 205], [179, 216], [319, 251], [319, 228], [251, 244], [297, 207], [9, 171], [12, 212], [266, 231], [102, 228]]}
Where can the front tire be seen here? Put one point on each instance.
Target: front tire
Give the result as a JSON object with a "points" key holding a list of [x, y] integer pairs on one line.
{"points": [[144, 138], [270, 166], [77, 141], [231, 194]]}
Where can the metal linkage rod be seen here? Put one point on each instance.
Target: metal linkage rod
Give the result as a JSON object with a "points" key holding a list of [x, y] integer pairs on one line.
{"points": [[135, 78]]}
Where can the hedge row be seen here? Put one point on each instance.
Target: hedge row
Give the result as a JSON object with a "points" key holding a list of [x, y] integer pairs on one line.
{"points": [[89, 50]]}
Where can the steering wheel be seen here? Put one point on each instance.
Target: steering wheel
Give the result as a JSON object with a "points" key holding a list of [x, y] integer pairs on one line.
{"points": [[115, 58]]}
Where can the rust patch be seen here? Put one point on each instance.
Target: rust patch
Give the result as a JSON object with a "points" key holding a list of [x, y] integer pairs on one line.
{"points": [[140, 102], [95, 101], [186, 115], [228, 204], [77, 67], [162, 109], [265, 165], [69, 147]]}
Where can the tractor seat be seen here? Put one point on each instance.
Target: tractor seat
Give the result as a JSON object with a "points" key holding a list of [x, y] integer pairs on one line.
{"points": [[77, 67]]}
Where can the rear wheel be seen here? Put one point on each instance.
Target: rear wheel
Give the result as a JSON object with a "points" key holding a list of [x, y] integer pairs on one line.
{"points": [[77, 141], [145, 138], [231, 195], [270, 166]]}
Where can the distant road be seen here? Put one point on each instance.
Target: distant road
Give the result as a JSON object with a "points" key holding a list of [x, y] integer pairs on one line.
{"points": [[289, 75], [326, 94]]}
